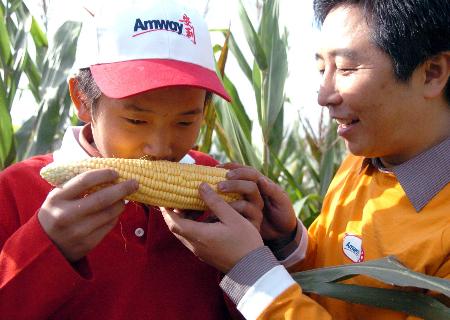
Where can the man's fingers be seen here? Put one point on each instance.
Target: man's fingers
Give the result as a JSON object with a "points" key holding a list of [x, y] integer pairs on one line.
{"points": [[244, 173], [270, 189], [249, 211], [85, 181], [247, 188], [230, 165]]}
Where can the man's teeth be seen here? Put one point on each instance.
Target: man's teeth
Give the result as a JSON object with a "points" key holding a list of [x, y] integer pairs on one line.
{"points": [[345, 122]]}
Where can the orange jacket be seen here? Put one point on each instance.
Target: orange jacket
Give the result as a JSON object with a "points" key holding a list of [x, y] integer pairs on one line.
{"points": [[366, 215]]}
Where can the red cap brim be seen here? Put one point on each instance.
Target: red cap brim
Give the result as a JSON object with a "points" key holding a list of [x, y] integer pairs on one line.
{"points": [[127, 78]]}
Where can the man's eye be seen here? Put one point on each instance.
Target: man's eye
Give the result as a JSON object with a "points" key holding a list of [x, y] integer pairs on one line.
{"points": [[185, 123], [346, 70], [135, 121]]}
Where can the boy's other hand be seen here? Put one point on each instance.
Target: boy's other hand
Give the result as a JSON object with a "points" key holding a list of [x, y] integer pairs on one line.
{"points": [[221, 244], [77, 222], [279, 219], [251, 204]]}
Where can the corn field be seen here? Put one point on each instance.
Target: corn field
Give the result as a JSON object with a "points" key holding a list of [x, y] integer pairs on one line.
{"points": [[301, 159]]}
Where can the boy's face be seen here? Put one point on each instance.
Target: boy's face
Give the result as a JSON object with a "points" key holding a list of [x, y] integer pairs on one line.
{"points": [[377, 114], [162, 124]]}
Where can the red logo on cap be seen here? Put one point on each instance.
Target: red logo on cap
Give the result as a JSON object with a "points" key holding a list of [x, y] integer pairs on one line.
{"points": [[145, 26], [190, 30]]}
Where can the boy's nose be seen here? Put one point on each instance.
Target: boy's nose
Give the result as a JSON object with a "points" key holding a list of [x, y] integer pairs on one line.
{"points": [[158, 149]]}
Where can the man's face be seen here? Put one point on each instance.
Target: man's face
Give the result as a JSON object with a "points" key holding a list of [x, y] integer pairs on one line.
{"points": [[162, 124], [377, 114]]}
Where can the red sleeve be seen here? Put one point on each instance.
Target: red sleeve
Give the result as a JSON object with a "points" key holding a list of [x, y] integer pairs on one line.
{"points": [[35, 279]]}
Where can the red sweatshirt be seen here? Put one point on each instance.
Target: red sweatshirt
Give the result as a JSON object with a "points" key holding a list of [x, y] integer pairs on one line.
{"points": [[139, 270]]}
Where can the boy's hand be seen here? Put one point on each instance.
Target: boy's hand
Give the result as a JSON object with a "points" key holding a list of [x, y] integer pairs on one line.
{"points": [[221, 244], [76, 224], [279, 220]]}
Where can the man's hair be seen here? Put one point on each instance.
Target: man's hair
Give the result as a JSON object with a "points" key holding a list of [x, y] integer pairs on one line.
{"points": [[409, 31], [90, 93]]}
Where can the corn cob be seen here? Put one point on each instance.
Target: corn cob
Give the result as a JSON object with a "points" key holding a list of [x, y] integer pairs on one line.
{"points": [[161, 183]]}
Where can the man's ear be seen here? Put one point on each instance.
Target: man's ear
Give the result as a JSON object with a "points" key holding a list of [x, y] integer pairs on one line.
{"points": [[83, 112], [437, 73]]}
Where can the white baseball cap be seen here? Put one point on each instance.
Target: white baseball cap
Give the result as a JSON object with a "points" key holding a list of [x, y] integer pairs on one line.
{"points": [[135, 46]]}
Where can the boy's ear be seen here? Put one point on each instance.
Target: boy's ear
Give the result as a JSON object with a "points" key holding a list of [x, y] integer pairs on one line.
{"points": [[83, 112], [437, 73]]}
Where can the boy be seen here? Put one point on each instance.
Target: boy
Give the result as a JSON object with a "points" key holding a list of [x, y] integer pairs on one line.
{"points": [[66, 256], [385, 69]]}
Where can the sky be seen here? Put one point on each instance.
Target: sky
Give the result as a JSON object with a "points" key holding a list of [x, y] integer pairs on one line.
{"points": [[302, 83]]}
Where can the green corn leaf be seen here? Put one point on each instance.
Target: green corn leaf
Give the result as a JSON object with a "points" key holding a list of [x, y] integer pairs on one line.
{"points": [[15, 4], [19, 58], [257, 86], [327, 164], [411, 303], [208, 127], [23, 136], [238, 109], [274, 82], [300, 205], [7, 150], [245, 67], [322, 281], [5, 49], [236, 51], [3, 94], [387, 269], [291, 180], [34, 76], [39, 37], [326, 170], [225, 144], [210, 110], [53, 111], [41, 43], [252, 38], [277, 134], [243, 149]]}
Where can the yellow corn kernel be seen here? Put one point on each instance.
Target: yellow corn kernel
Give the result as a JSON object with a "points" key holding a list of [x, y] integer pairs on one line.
{"points": [[161, 183]]}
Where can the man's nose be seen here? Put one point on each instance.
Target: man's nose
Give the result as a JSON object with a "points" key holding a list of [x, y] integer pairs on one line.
{"points": [[328, 94]]}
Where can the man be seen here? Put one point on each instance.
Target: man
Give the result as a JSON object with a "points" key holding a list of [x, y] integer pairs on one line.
{"points": [[385, 67]]}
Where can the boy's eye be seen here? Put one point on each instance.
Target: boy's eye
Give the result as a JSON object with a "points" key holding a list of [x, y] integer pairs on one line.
{"points": [[135, 121]]}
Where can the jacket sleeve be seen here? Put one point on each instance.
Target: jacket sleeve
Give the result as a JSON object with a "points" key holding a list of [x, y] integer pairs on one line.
{"points": [[292, 304], [263, 289], [35, 279], [308, 261]]}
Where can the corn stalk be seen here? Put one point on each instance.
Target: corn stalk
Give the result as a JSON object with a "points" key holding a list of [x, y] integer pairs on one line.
{"points": [[26, 52], [292, 156]]}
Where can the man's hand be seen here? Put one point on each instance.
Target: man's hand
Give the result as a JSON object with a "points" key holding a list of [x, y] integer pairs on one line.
{"points": [[221, 244], [279, 219], [77, 223]]}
